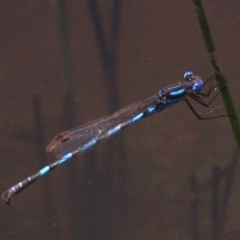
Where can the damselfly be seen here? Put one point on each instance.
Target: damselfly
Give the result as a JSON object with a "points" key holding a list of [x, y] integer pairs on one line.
{"points": [[77, 140]]}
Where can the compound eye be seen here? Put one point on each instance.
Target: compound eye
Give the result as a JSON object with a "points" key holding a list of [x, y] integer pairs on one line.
{"points": [[197, 86], [188, 75]]}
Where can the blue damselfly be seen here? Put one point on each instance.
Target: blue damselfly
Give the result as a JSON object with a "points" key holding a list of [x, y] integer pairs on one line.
{"points": [[77, 140]]}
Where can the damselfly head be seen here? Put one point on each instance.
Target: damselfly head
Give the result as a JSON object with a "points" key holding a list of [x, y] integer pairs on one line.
{"points": [[196, 81]]}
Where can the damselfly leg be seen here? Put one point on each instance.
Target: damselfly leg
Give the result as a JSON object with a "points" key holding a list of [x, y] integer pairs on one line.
{"points": [[201, 99]]}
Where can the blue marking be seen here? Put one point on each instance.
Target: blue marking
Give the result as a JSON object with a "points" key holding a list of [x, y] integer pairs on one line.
{"points": [[151, 109], [44, 170], [112, 131], [178, 92], [137, 118], [20, 184], [65, 158], [89, 144], [13, 188]]}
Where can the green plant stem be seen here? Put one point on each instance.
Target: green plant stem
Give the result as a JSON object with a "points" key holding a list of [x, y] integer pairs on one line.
{"points": [[218, 71]]}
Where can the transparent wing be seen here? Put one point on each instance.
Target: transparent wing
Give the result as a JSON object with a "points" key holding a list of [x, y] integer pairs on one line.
{"points": [[81, 138]]}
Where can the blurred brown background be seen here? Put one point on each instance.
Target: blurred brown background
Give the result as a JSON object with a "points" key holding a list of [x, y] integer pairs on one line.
{"points": [[64, 63]]}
